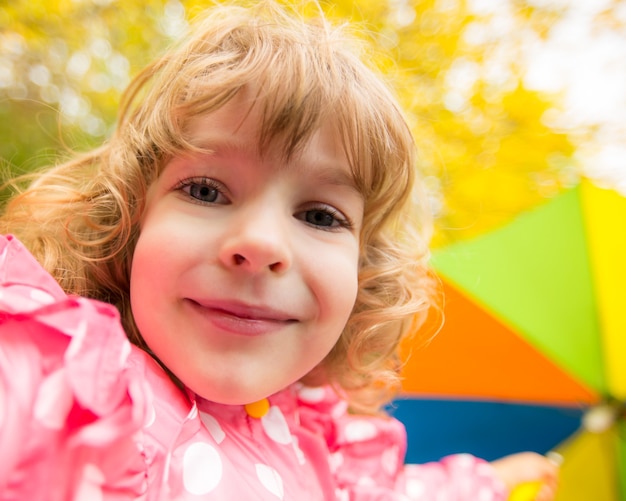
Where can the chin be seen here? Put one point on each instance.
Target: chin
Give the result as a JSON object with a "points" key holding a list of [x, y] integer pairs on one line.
{"points": [[232, 394]]}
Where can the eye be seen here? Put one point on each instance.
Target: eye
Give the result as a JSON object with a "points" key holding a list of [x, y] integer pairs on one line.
{"points": [[203, 190], [320, 218], [325, 218]]}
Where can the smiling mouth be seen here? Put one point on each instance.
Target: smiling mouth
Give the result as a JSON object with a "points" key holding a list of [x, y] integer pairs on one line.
{"points": [[242, 320]]}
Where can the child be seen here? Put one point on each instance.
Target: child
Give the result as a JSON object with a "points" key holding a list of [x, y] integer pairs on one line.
{"points": [[248, 220]]}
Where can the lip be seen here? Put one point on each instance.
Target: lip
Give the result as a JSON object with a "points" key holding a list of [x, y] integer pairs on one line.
{"points": [[242, 319]]}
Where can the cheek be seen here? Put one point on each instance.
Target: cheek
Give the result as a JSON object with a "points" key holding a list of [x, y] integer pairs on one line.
{"points": [[140, 283], [152, 261], [144, 262], [341, 285]]}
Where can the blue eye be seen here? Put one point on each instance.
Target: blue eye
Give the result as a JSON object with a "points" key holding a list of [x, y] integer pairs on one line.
{"points": [[203, 192], [320, 218], [325, 218]]}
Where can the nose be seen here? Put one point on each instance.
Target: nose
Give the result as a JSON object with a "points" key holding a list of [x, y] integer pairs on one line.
{"points": [[257, 241]]}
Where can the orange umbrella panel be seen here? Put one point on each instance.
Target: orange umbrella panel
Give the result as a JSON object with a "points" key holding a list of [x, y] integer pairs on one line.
{"points": [[478, 356]]}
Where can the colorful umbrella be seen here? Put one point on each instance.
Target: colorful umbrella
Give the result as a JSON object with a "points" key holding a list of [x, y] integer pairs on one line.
{"points": [[533, 352]]}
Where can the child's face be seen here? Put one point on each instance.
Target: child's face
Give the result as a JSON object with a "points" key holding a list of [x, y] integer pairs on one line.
{"points": [[245, 271]]}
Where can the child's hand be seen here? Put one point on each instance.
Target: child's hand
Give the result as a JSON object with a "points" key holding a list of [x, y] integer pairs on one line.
{"points": [[529, 467]]}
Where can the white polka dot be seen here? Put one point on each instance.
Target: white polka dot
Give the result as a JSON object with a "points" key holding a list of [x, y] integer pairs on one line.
{"points": [[270, 479], [89, 484], [390, 459], [41, 297], [312, 395], [415, 488], [202, 468], [54, 401], [275, 426], [213, 426], [360, 430]]}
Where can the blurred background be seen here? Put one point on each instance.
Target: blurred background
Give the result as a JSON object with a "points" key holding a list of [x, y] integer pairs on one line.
{"points": [[519, 111], [511, 101]]}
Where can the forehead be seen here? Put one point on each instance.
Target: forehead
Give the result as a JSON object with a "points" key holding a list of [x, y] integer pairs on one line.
{"points": [[236, 128]]}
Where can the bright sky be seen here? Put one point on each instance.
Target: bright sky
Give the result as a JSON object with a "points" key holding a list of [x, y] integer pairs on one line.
{"points": [[588, 65]]}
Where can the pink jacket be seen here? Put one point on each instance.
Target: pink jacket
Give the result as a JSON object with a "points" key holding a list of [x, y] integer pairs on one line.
{"points": [[84, 415]]}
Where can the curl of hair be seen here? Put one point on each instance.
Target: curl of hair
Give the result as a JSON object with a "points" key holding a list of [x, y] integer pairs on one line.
{"points": [[81, 218]]}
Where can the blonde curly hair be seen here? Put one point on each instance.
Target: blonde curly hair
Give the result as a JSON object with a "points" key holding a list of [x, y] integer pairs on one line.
{"points": [[81, 218]]}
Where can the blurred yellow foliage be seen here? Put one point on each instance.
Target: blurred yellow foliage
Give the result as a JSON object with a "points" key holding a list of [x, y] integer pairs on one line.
{"points": [[486, 150]]}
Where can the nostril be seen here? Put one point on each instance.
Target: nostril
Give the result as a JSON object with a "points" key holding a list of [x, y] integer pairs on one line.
{"points": [[253, 262], [275, 267]]}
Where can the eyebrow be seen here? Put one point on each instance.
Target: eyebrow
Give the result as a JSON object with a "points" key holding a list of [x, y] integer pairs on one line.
{"points": [[335, 176], [327, 171], [216, 143]]}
